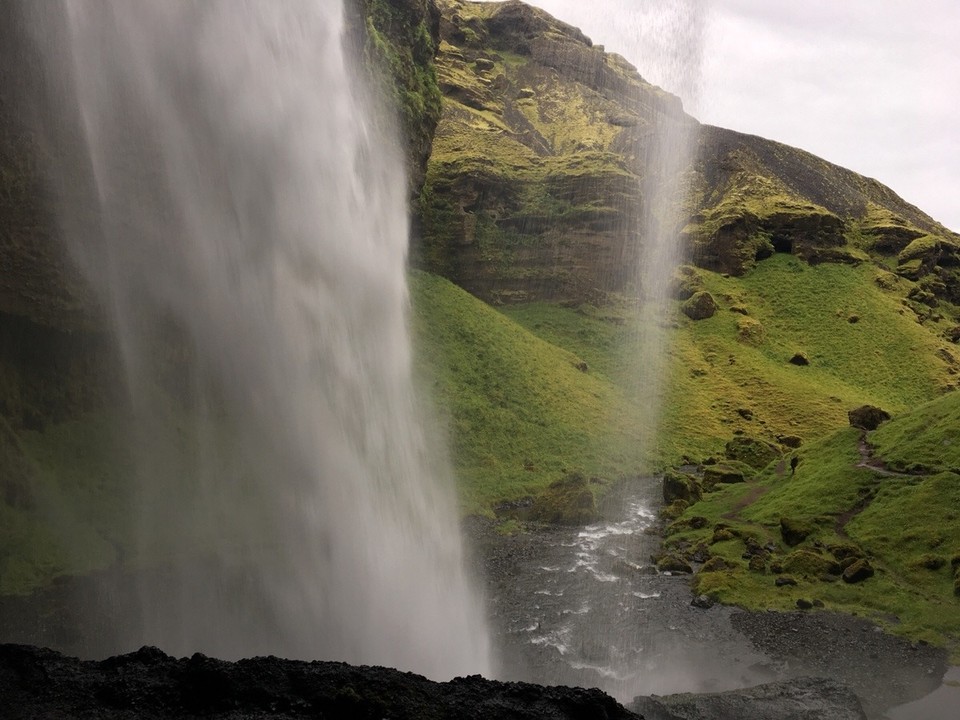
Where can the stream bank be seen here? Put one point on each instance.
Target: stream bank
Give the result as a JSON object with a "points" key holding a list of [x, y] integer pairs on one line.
{"points": [[585, 606]]}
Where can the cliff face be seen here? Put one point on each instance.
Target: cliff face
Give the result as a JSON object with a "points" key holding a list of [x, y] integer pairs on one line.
{"points": [[534, 183], [534, 187]]}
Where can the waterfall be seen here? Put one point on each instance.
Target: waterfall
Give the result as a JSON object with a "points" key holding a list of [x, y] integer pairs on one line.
{"points": [[242, 216]]}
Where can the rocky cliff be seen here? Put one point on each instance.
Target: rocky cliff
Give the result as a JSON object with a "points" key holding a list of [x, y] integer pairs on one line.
{"points": [[535, 183]]}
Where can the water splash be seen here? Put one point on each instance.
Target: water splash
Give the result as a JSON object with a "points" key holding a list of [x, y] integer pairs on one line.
{"points": [[247, 233]]}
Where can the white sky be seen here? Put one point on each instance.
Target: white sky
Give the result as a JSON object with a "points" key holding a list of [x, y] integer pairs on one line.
{"points": [[872, 85]]}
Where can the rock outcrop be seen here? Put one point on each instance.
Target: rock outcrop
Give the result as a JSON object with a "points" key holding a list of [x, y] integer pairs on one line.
{"points": [[535, 183], [150, 685], [801, 699]]}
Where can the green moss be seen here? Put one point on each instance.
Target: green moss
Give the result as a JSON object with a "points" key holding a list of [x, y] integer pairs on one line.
{"points": [[919, 248], [75, 521]]}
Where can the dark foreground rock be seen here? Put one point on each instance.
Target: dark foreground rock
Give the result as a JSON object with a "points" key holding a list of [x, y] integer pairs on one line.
{"points": [[801, 699], [148, 685]]}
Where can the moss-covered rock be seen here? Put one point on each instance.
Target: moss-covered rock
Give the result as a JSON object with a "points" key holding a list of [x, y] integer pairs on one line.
{"points": [[858, 571], [726, 474], [674, 564], [794, 531], [809, 564], [699, 306], [568, 501], [715, 564], [680, 486], [867, 417]]}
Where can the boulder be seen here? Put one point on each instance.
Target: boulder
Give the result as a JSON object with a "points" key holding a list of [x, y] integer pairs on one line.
{"points": [[807, 563], [794, 531], [867, 417], [699, 306], [568, 501], [722, 474], [799, 699], [858, 571], [704, 602], [672, 563], [790, 441], [680, 486], [722, 534]]}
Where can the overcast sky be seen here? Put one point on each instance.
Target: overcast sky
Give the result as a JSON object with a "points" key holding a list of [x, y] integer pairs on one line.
{"points": [[873, 85]]}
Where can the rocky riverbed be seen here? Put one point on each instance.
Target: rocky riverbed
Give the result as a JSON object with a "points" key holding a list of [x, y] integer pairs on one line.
{"points": [[585, 606], [579, 606]]}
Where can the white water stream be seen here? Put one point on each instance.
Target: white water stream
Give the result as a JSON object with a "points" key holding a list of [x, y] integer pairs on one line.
{"points": [[250, 247]]}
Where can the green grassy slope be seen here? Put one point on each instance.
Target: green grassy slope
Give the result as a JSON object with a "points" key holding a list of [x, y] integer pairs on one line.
{"points": [[863, 343], [907, 526], [522, 413]]}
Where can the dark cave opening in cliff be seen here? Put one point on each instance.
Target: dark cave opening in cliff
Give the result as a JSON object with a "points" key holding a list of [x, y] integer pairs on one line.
{"points": [[782, 244]]}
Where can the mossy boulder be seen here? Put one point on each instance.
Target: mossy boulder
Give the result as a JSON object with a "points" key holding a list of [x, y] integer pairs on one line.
{"points": [[843, 551], [674, 510], [751, 451], [680, 486], [568, 501], [699, 306], [715, 564], [794, 531], [858, 571], [673, 564], [867, 417], [723, 474], [809, 564]]}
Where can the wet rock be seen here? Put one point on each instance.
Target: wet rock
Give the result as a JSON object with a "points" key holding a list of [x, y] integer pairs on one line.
{"points": [[858, 571], [867, 417], [784, 581], [568, 501], [699, 306], [672, 563], [804, 604], [800, 699], [680, 486], [37, 683], [704, 602]]}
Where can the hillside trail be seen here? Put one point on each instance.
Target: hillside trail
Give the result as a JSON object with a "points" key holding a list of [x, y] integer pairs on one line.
{"points": [[868, 461]]}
